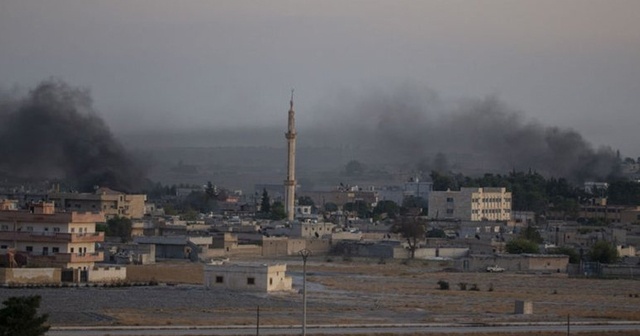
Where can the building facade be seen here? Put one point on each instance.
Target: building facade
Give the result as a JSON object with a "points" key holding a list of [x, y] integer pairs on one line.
{"points": [[112, 203], [247, 276], [472, 204], [41, 237]]}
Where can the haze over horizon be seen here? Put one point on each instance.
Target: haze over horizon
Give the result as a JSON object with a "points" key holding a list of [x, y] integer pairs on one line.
{"points": [[162, 66]]}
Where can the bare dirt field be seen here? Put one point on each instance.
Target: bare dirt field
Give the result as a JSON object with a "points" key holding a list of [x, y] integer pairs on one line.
{"points": [[341, 292]]}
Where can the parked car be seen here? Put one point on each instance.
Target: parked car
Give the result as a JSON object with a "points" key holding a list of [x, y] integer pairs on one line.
{"points": [[495, 268]]}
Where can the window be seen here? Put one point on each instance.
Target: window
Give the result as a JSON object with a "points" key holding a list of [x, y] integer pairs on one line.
{"points": [[251, 281], [270, 281], [5, 227], [219, 279], [73, 230], [56, 229], [4, 247], [450, 199], [55, 249], [29, 228], [71, 250], [29, 248], [45, 251]]}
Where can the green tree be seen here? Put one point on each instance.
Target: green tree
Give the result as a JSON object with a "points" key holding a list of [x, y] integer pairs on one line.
{"points": [[119, 227], [521, 245], [277, 211], [414, 202], [362, 208], [101, 227], [574, 257], [531, 234], [199, 201], [624, 193], [211, 191], [436, 233], [330, 207], [19, 317], [189, 215], [170, 210], [441, 182], [265, 203], [604, 252], [412, 229], [390, 208], [306, 200]]}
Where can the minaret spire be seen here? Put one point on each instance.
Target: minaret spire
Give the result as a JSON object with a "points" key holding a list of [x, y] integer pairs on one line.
{"points": [[290, 182], [291, 101]]}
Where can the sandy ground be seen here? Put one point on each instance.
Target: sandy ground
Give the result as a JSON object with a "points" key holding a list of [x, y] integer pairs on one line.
{"points": [[341, 292]]}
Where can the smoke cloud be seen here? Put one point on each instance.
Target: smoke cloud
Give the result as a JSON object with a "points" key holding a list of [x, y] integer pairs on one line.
{"points": [[418, 129], [54, 133]]}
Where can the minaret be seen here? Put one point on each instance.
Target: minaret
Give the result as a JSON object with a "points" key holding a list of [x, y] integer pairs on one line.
{"points": [[290, 182]]}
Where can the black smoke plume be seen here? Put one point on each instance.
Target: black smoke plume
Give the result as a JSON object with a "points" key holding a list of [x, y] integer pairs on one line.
{"points": [[472, 136], [54, 133]]}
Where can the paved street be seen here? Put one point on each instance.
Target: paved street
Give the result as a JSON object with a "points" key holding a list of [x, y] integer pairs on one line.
{"points": [[337, 330]]}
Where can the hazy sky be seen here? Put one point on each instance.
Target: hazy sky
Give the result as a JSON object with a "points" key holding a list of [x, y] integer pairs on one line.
{"points": [[210, 64]]}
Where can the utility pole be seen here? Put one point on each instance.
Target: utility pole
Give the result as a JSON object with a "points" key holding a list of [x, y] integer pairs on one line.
{"points": [[258, 321], [304, 253]]}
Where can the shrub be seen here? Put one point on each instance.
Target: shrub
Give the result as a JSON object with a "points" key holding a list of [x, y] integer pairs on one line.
{"points": [[462, 286], [444, 285]]}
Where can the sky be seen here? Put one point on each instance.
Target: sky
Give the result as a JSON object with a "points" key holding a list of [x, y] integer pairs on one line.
{"points": [[230, 64]]}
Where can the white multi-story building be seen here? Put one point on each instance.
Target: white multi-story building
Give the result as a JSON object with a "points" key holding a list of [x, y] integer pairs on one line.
{"points": [[472, 204]]}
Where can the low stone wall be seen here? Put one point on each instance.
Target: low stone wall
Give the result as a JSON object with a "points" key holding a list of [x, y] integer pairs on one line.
{"points": [[108, 274], [29, 275], [621, 271]]}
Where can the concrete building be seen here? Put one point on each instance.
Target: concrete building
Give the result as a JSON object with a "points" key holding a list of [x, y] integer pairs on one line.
{"points": [[8, 204], [630, 215], [305, 213], [595, 187], [310, 229], [472, 204], [112, 203], [341, 196], [247, 277], [177, 247], [599, 209], [42, 237], [417, 188]]}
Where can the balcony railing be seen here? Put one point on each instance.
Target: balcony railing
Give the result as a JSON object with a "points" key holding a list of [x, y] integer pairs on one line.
{"points": [[80, 257], [57, 237], [60, 258]]}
